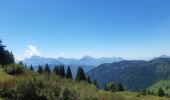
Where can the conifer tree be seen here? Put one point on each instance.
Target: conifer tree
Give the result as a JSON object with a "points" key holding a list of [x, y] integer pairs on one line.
{"points": [[56, 70], [47, 69], [95, 83], [120, 87], [89, 80], [69, 73], [6, 57], [62, 71], [110, 87], [161, 92], [80, 75], [40, 69], [31, 68]]}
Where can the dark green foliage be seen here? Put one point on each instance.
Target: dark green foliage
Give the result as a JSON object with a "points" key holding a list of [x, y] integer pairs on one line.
{"points": [[135, 75], [111, 87], [62, 71], [69, 73], [47, 69], [69, 95], [56, 70], [149, 92], [40, 69], [27, 89], [50, 91], [161, 92], [31, 68], [21, 63], [143, 92], [96, 83], [14, 69], [89, 80], [6, 57], [80, 75], [114, 87], [59, 70], [120, 87]]}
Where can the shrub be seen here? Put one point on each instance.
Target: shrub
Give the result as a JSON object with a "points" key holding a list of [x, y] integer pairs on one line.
{"points": [[14, 69], [50, 91], [6, 88], [27, 89], [69, 95]]}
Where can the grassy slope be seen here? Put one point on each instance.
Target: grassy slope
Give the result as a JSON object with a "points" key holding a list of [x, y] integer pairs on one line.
{"points": [[4, 76], [88, 91], [103, 95]]}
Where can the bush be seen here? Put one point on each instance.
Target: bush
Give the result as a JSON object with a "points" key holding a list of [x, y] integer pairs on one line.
{"points": [[27, 89], [6, 88], [14, 69], [69, 95], [50, 91]]}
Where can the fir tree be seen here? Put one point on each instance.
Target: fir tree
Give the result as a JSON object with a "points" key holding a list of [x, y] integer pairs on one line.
{"points": [[120, 87], [47, 69], [62, 71], [161, 92], [95, 83], [110, 87], [56, 70], [31, 68], [69, 73], [80, 75], [40, 69], [89, 80], [6, 57]]}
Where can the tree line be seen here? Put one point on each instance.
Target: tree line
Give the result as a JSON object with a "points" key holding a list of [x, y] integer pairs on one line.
{"points": [[60, 71]]}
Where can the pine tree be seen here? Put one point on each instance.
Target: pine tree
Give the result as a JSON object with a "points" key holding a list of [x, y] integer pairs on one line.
{"points": [[21, 63], [56, 70], [105, 87], [80, 75], [69, 73], [120, 87], [40, 69], [62, 71], [110, 87], [31, 68], [6, 57], [2, 47], [95, 83], [47, 69], [89, 80], [25, 65], [161, 92]]}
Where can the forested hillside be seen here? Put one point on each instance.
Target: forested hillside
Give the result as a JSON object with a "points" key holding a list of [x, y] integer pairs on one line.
{"points": [[135, 75]]}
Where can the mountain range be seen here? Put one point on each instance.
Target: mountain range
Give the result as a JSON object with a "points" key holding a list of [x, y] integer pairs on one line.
{"points": [[134, 74], [86, 62]]}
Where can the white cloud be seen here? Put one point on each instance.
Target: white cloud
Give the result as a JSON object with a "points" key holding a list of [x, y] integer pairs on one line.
{"points": [[32, 50]]}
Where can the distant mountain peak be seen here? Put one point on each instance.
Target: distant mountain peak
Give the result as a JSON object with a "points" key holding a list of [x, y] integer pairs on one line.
{"points": [[164, 56], [161, 56], [87, 57]]}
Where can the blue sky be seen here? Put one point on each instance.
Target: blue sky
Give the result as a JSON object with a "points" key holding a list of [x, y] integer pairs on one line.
{"points": [[73, 28]]}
